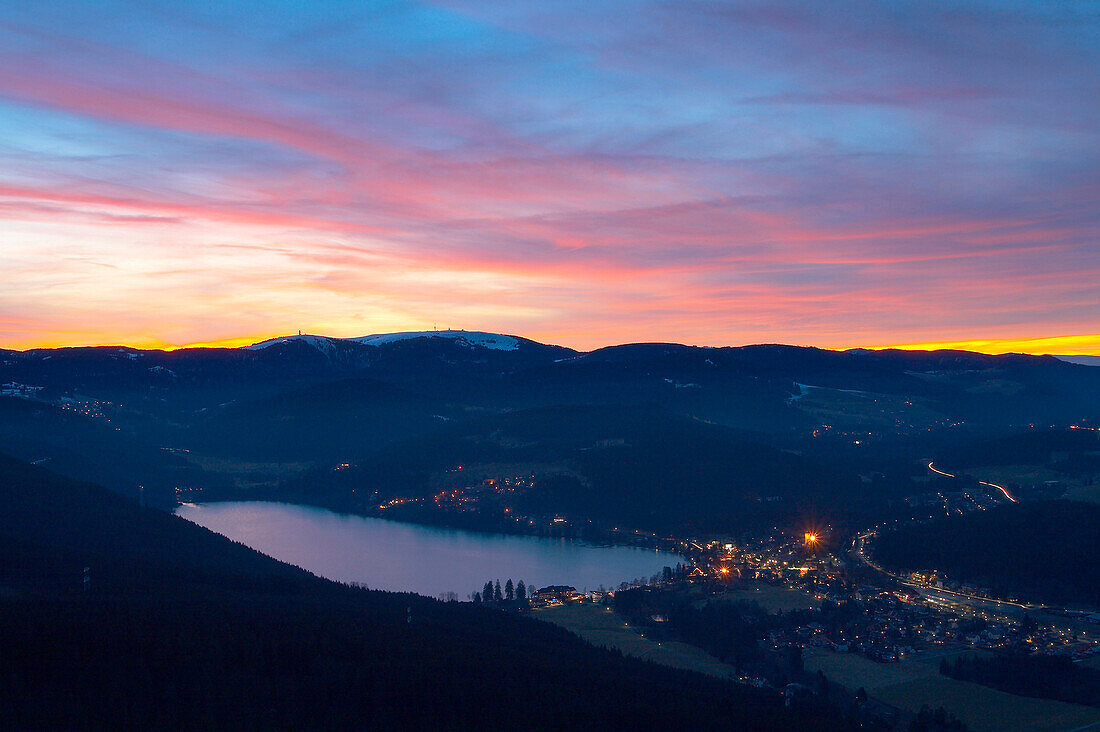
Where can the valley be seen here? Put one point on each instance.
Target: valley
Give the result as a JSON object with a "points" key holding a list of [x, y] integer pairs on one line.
{"points": [[793, 495]]}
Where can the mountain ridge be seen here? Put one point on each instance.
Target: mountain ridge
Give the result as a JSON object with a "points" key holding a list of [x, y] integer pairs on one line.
{"points": [[473, 339], [177, 425], [507, 342]]}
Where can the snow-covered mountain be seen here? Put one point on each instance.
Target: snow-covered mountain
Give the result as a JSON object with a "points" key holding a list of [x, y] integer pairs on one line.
{"points": [[324, 344], [494, 341], [473, 339]]}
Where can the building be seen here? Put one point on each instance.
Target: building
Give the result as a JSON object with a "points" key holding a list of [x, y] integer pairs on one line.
{"points": [[559, 593]]}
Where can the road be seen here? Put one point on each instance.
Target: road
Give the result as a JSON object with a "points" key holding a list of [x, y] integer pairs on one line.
{"points": [[859, 547], [935, 594], [1001, 488]]}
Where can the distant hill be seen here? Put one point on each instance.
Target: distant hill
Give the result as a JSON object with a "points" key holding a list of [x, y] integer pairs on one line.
{"points": [[1083, 360], [51, 527], [1042, 551], [180, 627], [614, 466], [801, 423], [1068, 449], [69, 442], [329, 421], [749, 386], [468, 339]]}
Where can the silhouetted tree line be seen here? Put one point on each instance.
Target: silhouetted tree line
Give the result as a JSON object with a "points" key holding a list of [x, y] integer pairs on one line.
{"points": [[935, 720], [730, 631], [1045, 677], [491, 593]]}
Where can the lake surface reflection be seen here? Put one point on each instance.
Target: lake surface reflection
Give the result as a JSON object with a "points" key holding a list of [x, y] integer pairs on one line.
{"points": [[387, 555]]}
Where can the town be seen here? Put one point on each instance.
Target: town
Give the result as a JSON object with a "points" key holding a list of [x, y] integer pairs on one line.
{"points": [[809, 615]]}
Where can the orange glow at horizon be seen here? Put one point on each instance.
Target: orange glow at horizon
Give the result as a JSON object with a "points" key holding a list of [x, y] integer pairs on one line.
{"points": [[1073, 345], [1076, 345], [196, 178]]}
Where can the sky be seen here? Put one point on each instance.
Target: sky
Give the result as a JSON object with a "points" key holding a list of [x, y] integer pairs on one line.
{"points": [[839, 174]]}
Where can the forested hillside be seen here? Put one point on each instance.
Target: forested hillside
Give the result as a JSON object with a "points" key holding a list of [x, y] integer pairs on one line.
{"points": [[179, 627], [1041, 552]]}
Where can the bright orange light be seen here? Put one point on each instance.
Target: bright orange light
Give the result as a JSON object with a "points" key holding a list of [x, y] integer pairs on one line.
{"points": [[811, 538], [725, 570]]}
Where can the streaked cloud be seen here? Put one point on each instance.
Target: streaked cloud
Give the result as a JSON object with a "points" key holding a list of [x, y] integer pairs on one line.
{"points": [[840, 174]]}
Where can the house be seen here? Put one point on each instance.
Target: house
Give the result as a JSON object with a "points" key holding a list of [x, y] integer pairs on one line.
{"points": [[560, 593]]}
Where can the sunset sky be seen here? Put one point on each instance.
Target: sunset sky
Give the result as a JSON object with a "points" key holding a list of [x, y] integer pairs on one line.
{"points": [[837, 174]]}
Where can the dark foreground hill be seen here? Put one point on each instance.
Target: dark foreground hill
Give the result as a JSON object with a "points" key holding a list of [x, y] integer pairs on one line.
{"points": [[1043, 551], [84, 447], [181, 628]]}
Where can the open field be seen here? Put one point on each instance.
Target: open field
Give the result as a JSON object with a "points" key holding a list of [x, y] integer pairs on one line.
{"points": [[915, 683], [988, 710], [853, 670], [910, 685], [771, 598], [603, 628], [232, 466]]}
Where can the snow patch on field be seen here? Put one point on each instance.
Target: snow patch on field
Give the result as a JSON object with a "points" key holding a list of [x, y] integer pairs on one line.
{"points": [[803, 390]]}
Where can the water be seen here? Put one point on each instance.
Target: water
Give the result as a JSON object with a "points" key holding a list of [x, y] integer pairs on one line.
{"points": [[387, 555]]}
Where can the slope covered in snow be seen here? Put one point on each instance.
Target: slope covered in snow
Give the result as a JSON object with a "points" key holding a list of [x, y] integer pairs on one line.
{"points": [[494, 341], [326, 344], [321, 343]]}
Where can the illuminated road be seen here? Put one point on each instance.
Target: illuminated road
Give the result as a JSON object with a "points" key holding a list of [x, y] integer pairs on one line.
{"points": [[930, 593], [1001, 488]]}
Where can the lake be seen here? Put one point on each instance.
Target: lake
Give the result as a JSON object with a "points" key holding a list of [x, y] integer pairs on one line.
{"points": [[387, 555]]}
